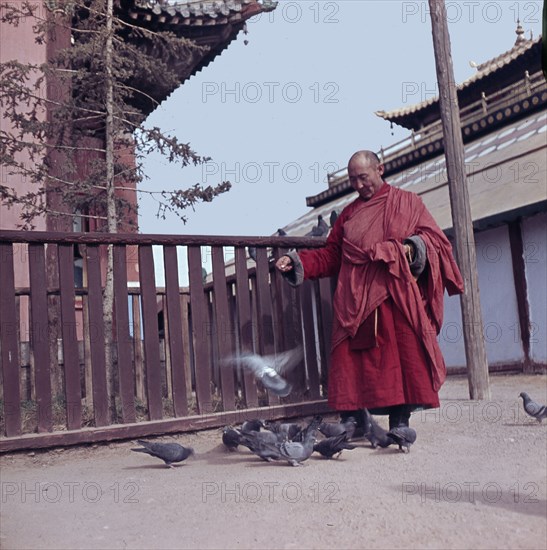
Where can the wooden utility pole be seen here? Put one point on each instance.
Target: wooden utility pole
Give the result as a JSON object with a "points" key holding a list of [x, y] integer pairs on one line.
{"points": [[477, 365]]}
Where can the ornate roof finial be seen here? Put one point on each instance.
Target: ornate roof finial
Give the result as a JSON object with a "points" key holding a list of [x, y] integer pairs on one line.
{"points": [[519, 32]]}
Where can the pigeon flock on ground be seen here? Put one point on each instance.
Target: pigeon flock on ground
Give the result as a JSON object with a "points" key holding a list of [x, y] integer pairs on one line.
{"points": [[294, 443]]}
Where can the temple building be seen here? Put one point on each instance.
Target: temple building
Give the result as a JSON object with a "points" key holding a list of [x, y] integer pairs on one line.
{"points": [[503, 117]]}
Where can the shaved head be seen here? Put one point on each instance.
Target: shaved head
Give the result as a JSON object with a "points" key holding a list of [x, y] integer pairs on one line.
{"points": [[367, 156]]}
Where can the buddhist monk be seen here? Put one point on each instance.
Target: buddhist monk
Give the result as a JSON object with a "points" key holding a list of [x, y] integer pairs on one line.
{"points": [[393, 264]]}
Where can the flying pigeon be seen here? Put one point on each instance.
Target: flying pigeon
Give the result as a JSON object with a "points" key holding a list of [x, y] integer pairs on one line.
{"points": [[168, 452], [403, 436], [319, 230], [231, 438], [269, 368], [331, 429], [331, 446], [377, 436], [539, 412]]}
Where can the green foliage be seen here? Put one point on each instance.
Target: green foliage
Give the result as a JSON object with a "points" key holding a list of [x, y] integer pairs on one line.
{"points": [[56, 113]]}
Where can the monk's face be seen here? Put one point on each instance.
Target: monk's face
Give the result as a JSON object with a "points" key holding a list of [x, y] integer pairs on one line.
{"points": [[365, 176]]}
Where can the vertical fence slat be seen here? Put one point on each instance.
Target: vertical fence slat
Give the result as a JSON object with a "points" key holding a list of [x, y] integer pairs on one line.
{"points": [[287, 301], [185, 308], [325, 313], [8, 343], [266, 336], [174, 332], [306, 295], [71, 359], [151, 335], [245, 322], [224, 329], [121, 307], [96, 336], [88, 372], [199, 329], [138, 358]]}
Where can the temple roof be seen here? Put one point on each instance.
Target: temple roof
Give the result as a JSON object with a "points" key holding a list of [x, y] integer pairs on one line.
{"points": [[506, 174], [489, 76]]}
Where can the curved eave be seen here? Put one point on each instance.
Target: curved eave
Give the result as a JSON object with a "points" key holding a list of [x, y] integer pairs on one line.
{"points": [[211, 24], [488, 76]]}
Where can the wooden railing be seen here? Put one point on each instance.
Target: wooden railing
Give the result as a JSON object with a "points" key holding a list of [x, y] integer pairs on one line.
{"points": [[168, 341]]}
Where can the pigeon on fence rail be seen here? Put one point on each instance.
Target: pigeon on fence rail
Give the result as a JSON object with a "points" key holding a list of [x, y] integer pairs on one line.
{"points": [[331, 429], [403, 436], [252, 252], [231, 438], [269, 368], [537, 411], [168, 452], [377, 435], [319, 230], [331, 446]]}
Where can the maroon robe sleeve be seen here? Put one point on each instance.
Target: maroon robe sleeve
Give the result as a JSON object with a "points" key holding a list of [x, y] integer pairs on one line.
{"points": [[325, 261]]}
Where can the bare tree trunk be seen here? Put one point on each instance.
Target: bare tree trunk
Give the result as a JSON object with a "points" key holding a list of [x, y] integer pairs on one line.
{"points": [[112, 222]]}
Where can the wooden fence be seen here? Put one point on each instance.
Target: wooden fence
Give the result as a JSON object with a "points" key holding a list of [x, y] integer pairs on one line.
{"points": [[168, 340]]}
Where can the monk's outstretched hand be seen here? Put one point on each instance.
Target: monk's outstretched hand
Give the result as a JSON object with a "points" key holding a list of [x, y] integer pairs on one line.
{"points": [[284, 264]]}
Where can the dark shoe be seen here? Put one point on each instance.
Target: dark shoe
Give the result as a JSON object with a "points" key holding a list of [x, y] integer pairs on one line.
{"points": [[399, 416]]}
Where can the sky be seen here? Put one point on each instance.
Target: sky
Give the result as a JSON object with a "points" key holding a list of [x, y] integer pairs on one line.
{"points": [[280, 112]]}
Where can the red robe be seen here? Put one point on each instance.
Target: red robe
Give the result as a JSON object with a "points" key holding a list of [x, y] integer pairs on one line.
{"points": [[385, 324]]}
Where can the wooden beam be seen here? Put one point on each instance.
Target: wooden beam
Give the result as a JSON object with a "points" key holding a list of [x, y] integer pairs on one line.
{"points": [[161, 427], [479, 386]]}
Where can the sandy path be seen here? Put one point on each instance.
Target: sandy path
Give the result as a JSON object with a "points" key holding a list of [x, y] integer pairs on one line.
{"points": [[476, 478]]}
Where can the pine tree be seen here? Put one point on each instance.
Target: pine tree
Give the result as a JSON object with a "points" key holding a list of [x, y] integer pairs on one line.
{"points": [[77, 116]]}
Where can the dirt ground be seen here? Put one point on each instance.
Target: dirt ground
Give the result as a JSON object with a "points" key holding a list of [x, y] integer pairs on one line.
{"points": [[476, 478]]}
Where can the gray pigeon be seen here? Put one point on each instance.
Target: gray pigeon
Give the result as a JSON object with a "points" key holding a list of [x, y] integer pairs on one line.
{"points": [[231, 438], [331, 429], [263, 444], [333, 218], [168, 452], [253, 425], [252, 252], [377, 436], [539, 412], [331, 446], [294, 452], [281, 232], [403, 436], [319, 230], [269, 368], [290, 431]]}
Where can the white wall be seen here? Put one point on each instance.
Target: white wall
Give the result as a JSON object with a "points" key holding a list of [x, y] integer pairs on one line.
{"points": [[534, 236], [498, 303]]}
